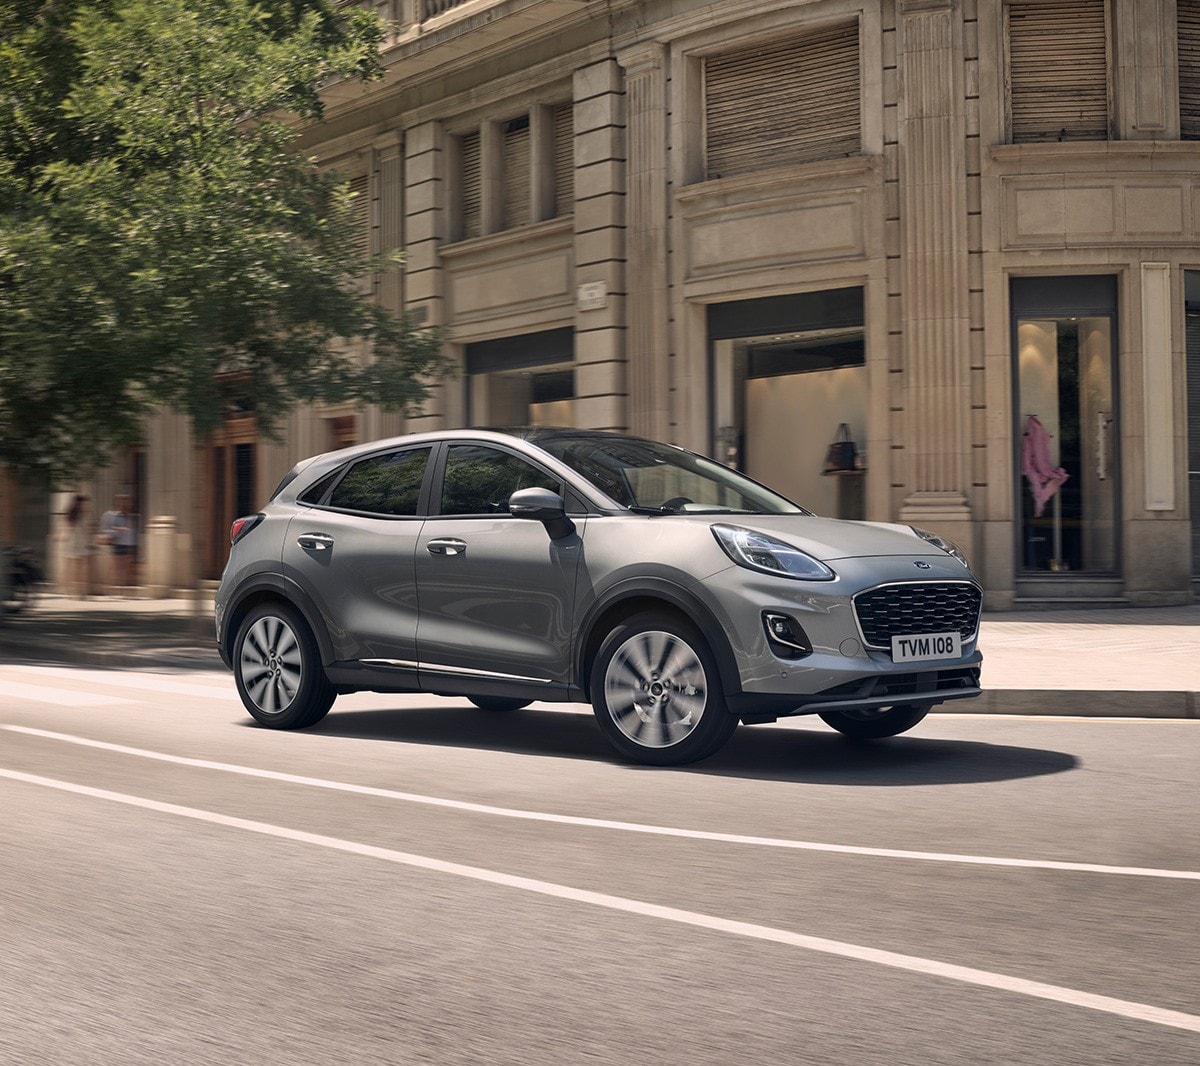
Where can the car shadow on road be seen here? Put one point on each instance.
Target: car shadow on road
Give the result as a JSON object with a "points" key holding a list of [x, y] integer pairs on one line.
{"points": [[762, 752]]}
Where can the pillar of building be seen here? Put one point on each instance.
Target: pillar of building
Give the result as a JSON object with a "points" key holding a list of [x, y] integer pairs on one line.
{"points": [[424, 230], [936, 323], [599, 240], [649, 338]]}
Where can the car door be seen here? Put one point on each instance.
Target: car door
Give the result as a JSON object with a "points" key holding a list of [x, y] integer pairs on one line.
{"points": [[496, 592], [352, 552]]}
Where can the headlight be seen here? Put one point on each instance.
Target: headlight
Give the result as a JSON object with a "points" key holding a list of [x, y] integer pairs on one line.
{"points": [[948, 546], [757, 551]]}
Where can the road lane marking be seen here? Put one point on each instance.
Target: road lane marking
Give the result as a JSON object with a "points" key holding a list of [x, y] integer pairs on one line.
{"points": [[222, 690], [1142, 1012], [601, 823], [61, 697]]}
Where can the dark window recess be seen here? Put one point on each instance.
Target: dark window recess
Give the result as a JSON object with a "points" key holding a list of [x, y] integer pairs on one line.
{"points": [[384, 484], [551, 385], [480, 480], [243, 458], [805, 357]]}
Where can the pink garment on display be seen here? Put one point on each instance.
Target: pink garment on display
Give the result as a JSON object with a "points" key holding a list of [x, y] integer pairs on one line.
{"points": [[1044, 478]]}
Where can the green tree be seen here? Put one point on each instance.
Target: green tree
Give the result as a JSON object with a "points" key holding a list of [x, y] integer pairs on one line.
{"points": [[163, 240]]}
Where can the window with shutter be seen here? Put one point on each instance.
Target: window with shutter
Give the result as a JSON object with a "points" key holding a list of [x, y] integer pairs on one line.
{"points": [[564, 160], [516, 172], [1189, 69], [780, 104], [470, 205], [360, 216], [1058, 70]]}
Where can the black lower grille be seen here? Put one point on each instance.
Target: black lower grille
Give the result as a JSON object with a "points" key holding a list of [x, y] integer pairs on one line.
{"points": [[910, 608], [960, 679]]}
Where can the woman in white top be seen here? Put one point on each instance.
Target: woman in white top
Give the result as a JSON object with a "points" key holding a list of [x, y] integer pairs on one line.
{"points": [[78, 548]]}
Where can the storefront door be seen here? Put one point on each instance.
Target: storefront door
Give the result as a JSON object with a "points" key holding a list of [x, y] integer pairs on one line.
{"points": [[1064, 332]]}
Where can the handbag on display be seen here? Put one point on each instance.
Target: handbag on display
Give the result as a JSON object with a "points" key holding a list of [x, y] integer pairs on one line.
{"points": [[842, 456]]}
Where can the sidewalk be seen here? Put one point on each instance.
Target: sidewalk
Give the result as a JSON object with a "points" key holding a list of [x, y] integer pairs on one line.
{"points": [[1128, 662]]}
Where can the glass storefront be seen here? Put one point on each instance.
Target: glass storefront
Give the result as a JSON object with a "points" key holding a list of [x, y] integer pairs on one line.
{"points": [[522, 381], [1191, 281], [1066, 405], [787, 373]]}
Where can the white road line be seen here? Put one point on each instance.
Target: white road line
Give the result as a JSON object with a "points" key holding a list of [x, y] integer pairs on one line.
{"points": [[601, 823], [1142, 1012], [131, 680], [60, 697]]}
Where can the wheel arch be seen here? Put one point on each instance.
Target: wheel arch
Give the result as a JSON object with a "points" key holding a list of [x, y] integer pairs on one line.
{"points": [[264, 592], [654, 595]]}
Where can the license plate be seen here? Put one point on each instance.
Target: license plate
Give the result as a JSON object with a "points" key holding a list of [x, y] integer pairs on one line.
{"points": [[921, 646]]}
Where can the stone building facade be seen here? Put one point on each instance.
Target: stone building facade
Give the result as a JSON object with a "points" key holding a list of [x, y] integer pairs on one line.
{"points": [[968, 230]]}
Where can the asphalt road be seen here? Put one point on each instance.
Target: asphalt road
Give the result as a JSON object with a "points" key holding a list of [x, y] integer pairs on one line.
{"points": [[417, 881]]}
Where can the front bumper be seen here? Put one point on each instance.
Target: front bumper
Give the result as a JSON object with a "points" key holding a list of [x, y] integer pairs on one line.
{"points": [[842, 672]]}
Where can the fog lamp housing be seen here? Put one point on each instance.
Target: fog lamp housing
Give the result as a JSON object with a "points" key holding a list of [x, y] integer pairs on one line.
{"points": [[785, 636]]}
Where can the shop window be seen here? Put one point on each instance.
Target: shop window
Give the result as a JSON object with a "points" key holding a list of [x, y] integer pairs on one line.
{"points": [[1188, 13], [528, 380], [1192, 323], [780, 104], [780, 397], [1058, 67]]}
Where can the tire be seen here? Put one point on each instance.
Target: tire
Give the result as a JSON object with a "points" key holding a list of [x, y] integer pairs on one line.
{"points": [[875, 724], [498, 703], [278, 669], [656, 692]]}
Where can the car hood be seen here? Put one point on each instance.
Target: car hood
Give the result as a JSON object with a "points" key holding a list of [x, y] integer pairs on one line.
{"points": [[830, 539]]}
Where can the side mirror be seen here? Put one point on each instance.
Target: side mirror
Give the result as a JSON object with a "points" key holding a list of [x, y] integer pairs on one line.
{"points": [[543, 506]]}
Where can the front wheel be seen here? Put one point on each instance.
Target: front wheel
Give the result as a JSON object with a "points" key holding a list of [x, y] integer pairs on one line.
{"points": [[876, 722], [657, 693], [278, 669]]}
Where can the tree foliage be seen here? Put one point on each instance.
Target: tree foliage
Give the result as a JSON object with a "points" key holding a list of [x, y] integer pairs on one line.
{"points": [[162, 238]]}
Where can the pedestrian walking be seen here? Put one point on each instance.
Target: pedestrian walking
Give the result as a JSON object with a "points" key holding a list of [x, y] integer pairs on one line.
{"points": [[119, 530], [79, 547]]}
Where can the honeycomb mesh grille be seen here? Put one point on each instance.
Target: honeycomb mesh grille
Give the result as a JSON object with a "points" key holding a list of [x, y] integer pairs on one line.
{"points": [[917, 607]]}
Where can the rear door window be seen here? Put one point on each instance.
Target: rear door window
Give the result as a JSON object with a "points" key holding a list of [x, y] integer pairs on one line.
{"points": [[387, 484]]}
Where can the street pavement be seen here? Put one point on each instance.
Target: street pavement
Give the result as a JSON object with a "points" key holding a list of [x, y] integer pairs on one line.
{"points": [[1123, 662]]}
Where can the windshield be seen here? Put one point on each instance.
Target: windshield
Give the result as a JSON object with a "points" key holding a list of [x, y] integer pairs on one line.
{"points": [[662, 479]]}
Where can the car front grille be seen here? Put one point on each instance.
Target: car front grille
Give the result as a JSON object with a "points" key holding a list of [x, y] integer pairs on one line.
{"points": [[914, 607]]}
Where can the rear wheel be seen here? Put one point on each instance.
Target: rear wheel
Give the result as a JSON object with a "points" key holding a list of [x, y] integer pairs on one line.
{"points": [[278, 669], [657, 693], [498, 703], [876, 722]]}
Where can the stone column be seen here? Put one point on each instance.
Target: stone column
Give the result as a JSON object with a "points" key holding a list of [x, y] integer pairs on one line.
{"points": [[934, 268], [599, 115], [424, 231], [648, 342]]}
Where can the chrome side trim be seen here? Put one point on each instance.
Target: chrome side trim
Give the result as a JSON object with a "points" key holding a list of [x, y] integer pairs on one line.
{"points": [[466, 672], [403, 664]]}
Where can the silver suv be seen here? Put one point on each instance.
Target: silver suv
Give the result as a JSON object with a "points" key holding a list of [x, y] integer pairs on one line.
{"points": [[673, 594]]}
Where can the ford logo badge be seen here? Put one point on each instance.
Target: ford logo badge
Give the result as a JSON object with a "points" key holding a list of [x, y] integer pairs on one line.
{"points": [[922, 566]]}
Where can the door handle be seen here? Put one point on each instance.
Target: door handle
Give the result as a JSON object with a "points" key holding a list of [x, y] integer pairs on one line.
{"points": [[447, 546], [315, 541]]}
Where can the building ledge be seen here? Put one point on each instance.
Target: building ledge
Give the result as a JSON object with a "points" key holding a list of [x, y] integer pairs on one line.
{"points": [[517, 237]]}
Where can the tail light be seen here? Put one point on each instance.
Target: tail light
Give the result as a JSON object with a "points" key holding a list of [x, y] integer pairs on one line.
{"points": [[242, 526]]}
